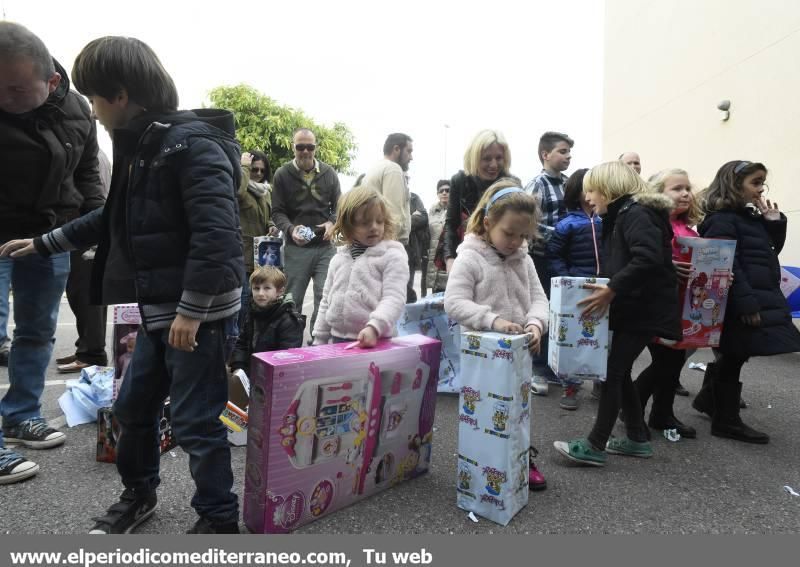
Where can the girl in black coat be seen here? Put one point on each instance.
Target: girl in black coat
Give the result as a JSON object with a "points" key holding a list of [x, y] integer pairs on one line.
{"points": [[643, 295], [757, 318]]}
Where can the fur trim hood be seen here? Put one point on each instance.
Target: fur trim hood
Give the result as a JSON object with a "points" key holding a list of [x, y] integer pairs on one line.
{"points": [[657, 201]]}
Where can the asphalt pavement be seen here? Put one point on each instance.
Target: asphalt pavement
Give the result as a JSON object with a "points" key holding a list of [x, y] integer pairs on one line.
{"points": [[705, 485]]}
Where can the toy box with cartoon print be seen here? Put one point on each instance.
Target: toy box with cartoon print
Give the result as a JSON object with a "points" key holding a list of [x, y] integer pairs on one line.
{"points": [[706, 293], [578, 345], [330, 425], [126, 322], [427, 317]]}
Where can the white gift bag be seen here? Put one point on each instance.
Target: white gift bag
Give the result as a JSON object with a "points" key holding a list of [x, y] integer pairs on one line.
{"points": [[578, 345], [494, 425], [427, 317]]}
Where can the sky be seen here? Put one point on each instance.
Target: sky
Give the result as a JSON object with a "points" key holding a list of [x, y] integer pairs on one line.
{"points": [[437, 70]]}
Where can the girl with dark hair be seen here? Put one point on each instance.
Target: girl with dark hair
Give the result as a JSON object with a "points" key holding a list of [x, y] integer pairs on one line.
{"points": [[757, 319]]}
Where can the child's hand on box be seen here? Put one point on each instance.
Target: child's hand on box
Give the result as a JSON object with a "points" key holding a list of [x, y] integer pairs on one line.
{"points": [[536, 338], [368, 337], [597, 303], [503, 326], [683, 269]]}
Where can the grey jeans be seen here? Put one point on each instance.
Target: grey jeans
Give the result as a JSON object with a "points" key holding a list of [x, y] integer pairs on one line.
{"points": [[301, 265]]}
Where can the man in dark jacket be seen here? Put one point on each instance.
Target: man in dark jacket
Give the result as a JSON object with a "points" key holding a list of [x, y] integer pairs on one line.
{"points": [[168, 238], [48, 173], [305, 193], [417, 249]]}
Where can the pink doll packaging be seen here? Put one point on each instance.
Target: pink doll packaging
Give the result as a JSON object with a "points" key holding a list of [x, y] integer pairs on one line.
{"points": [[331, 425]]}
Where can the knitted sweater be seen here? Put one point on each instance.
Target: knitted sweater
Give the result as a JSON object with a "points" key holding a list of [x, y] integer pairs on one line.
{"points": [[370, 290], [483, 286]]}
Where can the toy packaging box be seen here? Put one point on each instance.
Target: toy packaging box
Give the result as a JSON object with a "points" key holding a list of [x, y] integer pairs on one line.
{"points": [[234, 416], [108, 433], [126, 320], [427, 317], [578, 345], [268, 251], [494, 425], [330, 425], [704, 298]]}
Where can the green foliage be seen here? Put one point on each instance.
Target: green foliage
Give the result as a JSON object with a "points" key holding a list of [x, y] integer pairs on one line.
{"points": [[263, 124]]}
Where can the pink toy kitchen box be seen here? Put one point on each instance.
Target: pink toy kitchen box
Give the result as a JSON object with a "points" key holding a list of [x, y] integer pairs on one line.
{"points": [[329, 426]]}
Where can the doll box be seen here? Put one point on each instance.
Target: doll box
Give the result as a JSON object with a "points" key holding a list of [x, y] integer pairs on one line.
{"points": [[578, 345], [494, 425], [705, 296], [427, 317], [108, 433], [126, 321], [329, 426]]}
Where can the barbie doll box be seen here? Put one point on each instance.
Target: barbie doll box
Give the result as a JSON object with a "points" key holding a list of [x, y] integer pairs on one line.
{"points": [[704, 298], [330, 425], [494, 425], [126, 320], [427, 317], [578, 345]]}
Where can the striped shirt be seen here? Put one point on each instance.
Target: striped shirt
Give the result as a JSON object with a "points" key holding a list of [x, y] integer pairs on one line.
{"points": [[549, 193]]}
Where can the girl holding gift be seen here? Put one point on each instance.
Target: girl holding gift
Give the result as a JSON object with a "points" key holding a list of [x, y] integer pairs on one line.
{"points": [[493, 284], [365, 291], [662, 378], [643, 295], [757, 319], [574, 250]]}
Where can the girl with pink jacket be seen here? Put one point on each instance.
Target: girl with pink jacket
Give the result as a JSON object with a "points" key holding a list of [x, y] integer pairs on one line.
{"points": [[493, 284], [365, 291]]}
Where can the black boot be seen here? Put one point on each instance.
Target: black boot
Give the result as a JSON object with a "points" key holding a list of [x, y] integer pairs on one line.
{"points": [[726, 421], [661, 416], [703, 401]]}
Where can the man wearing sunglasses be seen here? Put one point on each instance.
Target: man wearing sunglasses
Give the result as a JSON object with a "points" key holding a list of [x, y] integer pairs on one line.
{"points": [[305, 192]]}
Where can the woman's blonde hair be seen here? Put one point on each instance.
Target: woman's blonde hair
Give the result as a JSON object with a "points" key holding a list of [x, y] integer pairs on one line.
{"points": [[519, 202], [349, 204], [481, 141], [613, 180], [657, 183]]}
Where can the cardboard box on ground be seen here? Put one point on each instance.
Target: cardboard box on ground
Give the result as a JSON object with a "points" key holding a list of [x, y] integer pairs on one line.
{"points": [[329, 426], [126, 321]]}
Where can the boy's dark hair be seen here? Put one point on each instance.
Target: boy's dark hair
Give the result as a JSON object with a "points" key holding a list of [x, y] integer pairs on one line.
{"points": [[110, 64], [725, 191], [18, 41], [549, 140], [396, 139], [573, 190], [442, 182], [258, 155], [270, 275]]}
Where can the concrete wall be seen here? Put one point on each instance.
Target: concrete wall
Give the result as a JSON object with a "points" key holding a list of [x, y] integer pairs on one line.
{"points": [[667, 65]]}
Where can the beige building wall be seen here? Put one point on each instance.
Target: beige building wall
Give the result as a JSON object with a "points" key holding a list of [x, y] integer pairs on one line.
{"points": [[668, 63]]}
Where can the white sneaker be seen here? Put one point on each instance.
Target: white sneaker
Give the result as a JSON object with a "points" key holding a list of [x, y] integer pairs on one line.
{"points": [[539, 385]]}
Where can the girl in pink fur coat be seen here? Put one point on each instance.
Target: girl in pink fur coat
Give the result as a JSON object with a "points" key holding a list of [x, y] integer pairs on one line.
{"points": [[365, 291], [493, 284]]}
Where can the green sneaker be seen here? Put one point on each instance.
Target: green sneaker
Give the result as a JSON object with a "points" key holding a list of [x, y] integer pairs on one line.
{"points": [[624, 446], [581, 451]]}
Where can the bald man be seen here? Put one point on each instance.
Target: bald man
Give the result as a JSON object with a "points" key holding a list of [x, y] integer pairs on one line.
{"points": [[632, 159]]}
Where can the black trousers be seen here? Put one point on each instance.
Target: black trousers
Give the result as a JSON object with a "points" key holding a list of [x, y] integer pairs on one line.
{"points": [[660, 379], [90, 320], [618, 391]]}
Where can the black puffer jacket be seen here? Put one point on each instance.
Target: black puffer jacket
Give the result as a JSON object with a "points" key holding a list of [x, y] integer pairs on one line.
{"points": [[637, 243], [48, 164], [465, 192], [756, 284], [277, 326], [171, 221]]}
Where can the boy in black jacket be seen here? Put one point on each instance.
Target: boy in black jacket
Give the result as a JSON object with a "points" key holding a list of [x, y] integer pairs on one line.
{"points": [[168, 239], [273, 322]]}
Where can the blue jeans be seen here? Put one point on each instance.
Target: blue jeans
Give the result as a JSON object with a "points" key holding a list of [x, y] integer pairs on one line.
{"points": [[38, 284], [5, 286], [196, 383]]}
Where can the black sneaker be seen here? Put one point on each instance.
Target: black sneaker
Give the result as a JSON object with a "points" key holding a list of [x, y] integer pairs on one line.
{"points": [[131, 510], [14, 467], [34, 433], [205, 526]]}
